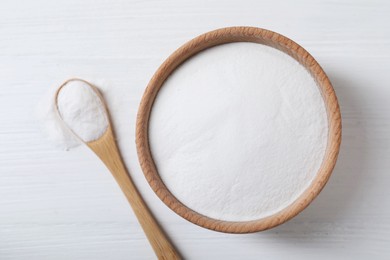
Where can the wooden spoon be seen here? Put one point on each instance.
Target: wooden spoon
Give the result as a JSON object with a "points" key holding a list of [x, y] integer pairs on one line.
{"points": [[107, 150]]}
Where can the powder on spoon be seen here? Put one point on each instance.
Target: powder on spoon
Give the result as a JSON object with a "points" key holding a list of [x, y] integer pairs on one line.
{"points": [[238, 132], [81, 110]]}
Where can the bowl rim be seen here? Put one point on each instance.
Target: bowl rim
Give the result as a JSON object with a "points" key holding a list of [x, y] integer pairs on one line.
{"points": [[211, 39]]}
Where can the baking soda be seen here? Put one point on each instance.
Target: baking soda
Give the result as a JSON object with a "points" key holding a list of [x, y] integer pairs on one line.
{"points": [[82, 112], [238, 132]]}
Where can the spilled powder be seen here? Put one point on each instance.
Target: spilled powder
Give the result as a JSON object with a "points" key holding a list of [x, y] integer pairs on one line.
{"points": [[238, 132]]}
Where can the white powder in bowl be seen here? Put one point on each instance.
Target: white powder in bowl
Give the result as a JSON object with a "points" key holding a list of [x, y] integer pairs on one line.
{"points": [[82, 110], [238, 132]]}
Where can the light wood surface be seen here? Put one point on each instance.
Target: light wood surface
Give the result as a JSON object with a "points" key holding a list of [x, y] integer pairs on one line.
{"points": [[211, 39], [106, 149], [63, 205]]}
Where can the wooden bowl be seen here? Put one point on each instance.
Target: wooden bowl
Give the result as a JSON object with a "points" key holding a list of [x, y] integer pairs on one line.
{"points": [[222, 36]]}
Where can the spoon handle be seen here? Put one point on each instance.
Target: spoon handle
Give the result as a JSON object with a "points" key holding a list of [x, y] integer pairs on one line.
{"points": [[106, 149]]}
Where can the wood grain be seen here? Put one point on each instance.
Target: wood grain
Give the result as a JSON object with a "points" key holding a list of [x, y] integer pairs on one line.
{"points": [[63, 205], [211, 39]]}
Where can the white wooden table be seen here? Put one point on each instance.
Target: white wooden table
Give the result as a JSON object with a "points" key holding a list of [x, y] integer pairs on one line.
{"points": [[65, 205]]}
